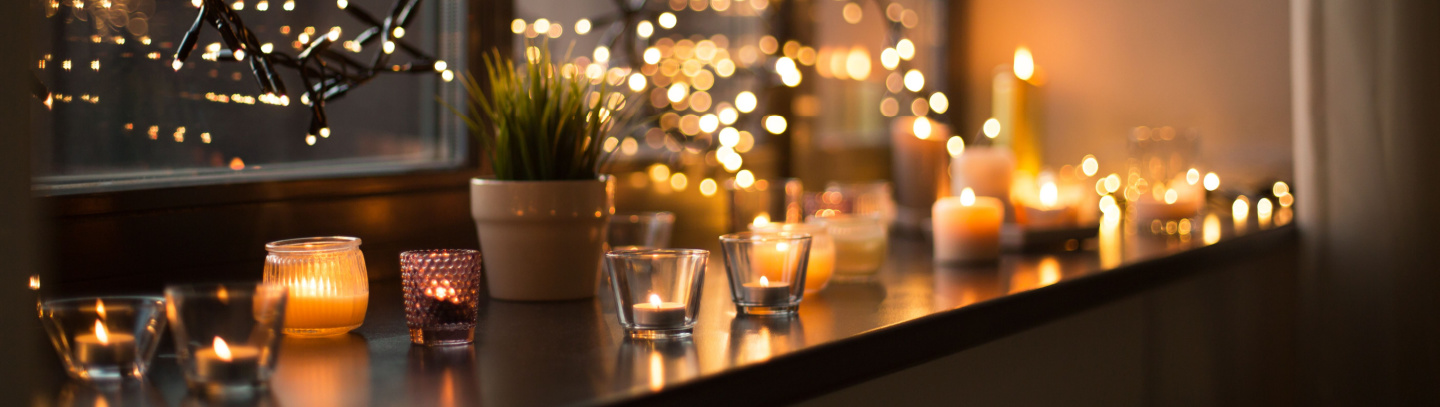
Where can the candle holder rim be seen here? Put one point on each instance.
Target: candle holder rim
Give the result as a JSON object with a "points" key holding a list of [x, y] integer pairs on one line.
{"points": [[764, 237], [255, 286], [421, 252], [639, 215], [322, 244], [635, 253], [810, 228], [58, 302]]}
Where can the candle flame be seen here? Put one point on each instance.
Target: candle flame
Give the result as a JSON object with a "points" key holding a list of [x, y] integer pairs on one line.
{"points": [[1024, 64], [1241, 209], [101, 334], [222, 350], [764, 282], [955, 146], [1192, 177], [922, 128], [967, 197], [100, 308], [35, 282], [655, 299], [762, 219], [1049, 195]]}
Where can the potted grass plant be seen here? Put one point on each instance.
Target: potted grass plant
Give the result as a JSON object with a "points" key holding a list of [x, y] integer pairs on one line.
{"points": [[542, 216]]}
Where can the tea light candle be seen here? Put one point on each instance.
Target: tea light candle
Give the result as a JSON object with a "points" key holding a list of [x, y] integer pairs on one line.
{"points": [[967, 228], [766, 292], [104, 347], [771, 260], [223, 363], [659, 314], [1051, 213]]}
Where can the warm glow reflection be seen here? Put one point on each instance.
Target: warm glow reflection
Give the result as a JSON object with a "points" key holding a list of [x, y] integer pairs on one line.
{"points": [[905, 48], [991, 128], [1024, 64], [922, 128], [956, 146], [745, 101], [1263, 210], [1240, 211], [101, 333], [236, 164], [939, 103], [914, 80], [1280, 188], [967, 197], [1210, 231], [1089, 165], [659, 172], [678, 181], [1049, 195], [1171, 196], [222, 350], [858, 63], [1049, 271], [657, 368], [1212, 181]]}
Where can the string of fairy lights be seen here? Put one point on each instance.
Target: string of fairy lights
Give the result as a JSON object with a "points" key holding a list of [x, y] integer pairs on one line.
{"points": [[326, 74], [680, 75]]}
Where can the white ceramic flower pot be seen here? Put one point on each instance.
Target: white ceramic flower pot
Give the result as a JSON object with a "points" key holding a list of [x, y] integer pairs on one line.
{"points": [[542, 240]]}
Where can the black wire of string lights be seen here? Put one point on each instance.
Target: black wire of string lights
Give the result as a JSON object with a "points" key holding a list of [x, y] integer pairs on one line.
{"points": [[327, 74]]}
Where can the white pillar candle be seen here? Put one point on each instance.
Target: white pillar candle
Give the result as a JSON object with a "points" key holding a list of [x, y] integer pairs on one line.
{"points": [[987, 170], [658, 314], [967, 228]]}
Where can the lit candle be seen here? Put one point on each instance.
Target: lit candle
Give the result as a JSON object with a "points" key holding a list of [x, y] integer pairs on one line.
{"points": [[918, 155], [766, 292], [659, 314], [1015, 105], [225, 364], [821, 264], [315, 302], [989, 171], [1051, 213], [773, 260], [967, 228], [104, 347]]}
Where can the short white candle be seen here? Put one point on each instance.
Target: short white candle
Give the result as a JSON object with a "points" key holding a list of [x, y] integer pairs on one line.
{"points": [[989, 171], [767, 293], [226, 364], [1051, 213], [967, 228], [658, 314]]}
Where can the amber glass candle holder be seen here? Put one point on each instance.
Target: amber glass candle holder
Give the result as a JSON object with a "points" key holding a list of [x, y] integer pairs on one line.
{"points": [[766, 270], [329, 290], [105, 338], [226, 334], [657, 292], [442, 295]]}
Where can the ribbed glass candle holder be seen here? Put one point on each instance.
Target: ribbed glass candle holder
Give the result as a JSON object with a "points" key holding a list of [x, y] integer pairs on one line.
{"points": [[329, 290]]}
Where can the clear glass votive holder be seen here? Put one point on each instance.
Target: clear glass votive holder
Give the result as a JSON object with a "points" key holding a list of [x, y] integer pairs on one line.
{"points": [[226, 335], [640, 230], [329, 289], [657, 291], [104, 339], [861, 243], [442, 295], [822, 251], [766, 270]]}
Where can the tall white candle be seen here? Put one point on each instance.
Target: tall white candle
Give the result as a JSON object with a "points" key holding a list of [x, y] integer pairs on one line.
{"points": [[967, 228]]}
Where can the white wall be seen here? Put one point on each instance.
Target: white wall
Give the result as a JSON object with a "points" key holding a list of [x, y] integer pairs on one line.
{"points": [[1219, 65]]}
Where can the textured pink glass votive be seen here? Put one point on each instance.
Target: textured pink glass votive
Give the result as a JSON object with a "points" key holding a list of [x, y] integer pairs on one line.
{"points": [[442, 295]]}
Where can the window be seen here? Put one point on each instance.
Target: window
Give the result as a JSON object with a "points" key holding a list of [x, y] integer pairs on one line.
{"points": [[120, 117]]}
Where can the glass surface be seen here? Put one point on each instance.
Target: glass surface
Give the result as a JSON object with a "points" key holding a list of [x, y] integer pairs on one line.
{"points": [[442, 295], [226, 334], [119, 116], [657, 292], [765, 201], [104, 338], [647, 230], [766, 270], [329, 288]]}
